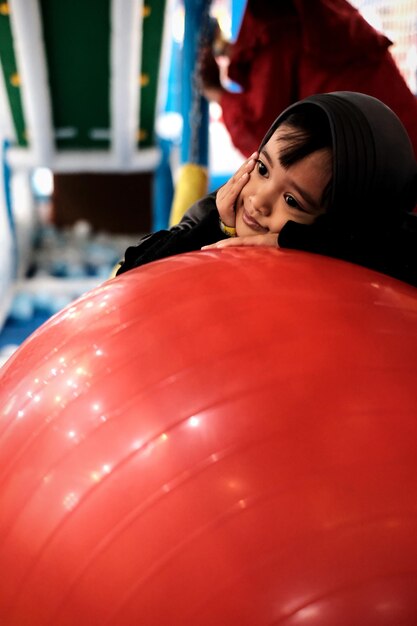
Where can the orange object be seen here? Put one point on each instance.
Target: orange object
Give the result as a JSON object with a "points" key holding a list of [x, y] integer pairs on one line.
{"points": [[219, 438]]}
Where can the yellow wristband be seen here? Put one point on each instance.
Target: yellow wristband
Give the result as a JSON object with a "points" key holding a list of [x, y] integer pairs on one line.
{"points": [[230, 231]]}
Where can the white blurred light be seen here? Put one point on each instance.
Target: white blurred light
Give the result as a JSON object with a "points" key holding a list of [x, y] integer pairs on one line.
{"points": [[43, 181]]}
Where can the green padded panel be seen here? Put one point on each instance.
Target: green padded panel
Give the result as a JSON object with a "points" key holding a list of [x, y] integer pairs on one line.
{"points": [[153, 24], [11, 75], [77, 44], [77, 47]]}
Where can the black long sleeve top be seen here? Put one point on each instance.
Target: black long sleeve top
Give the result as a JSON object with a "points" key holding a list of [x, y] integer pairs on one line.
{"points": [[392, 251], [200, 226]]}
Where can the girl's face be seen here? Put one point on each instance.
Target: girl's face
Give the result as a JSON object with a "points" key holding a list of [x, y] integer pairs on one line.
{"points": [[273, 195]]}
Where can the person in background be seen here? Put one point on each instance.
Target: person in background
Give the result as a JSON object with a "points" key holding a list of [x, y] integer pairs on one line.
{"points": [[290, 49], [335, 175]]}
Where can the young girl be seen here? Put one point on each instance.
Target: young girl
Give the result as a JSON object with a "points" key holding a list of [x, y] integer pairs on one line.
{"points": [[335, 174]]}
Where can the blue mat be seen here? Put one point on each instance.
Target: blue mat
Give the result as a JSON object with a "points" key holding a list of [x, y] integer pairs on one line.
{"points": [[14, 331]]}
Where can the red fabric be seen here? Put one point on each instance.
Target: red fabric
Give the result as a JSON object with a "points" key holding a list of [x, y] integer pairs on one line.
{"points": [[286, 52]]}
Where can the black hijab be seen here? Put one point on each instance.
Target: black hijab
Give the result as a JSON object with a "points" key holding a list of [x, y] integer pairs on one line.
{"points": [[374, 187]]}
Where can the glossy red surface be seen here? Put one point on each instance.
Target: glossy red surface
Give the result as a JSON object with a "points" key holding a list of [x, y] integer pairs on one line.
{"points": [[222, 438]]}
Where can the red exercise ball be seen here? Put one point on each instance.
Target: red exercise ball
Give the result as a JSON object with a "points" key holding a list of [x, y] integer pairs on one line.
{"points": [[222, 438]]}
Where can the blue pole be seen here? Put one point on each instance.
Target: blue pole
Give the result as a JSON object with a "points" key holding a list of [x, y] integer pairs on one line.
{"points": [[194, 107], [163, 188], [8, 199]]}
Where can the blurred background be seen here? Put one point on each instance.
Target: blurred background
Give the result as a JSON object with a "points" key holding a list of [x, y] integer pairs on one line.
{"points": [[102, 110]]}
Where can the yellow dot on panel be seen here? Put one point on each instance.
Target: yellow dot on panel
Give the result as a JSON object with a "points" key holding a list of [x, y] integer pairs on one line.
{"points": [[15, 80], [144, 80], [146, 11], [142, 134], [4, 8]]}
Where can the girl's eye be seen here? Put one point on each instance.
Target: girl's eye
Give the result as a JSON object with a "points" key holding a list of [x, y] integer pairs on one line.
{"points": [[262, 170], [292, 202]]}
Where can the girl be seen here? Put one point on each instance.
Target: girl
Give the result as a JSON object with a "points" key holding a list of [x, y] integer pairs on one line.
{"points": [[335, 174]]}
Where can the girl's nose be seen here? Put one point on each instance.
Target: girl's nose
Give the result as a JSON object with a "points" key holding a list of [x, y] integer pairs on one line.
{"points": [[261, 205]]}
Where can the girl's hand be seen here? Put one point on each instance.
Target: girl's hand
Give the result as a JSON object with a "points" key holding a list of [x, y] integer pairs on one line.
{"points": [[269, 240], [228, 194]]}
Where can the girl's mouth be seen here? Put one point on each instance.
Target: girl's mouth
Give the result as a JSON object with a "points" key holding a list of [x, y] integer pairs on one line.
{"points": [[252, 223]]}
